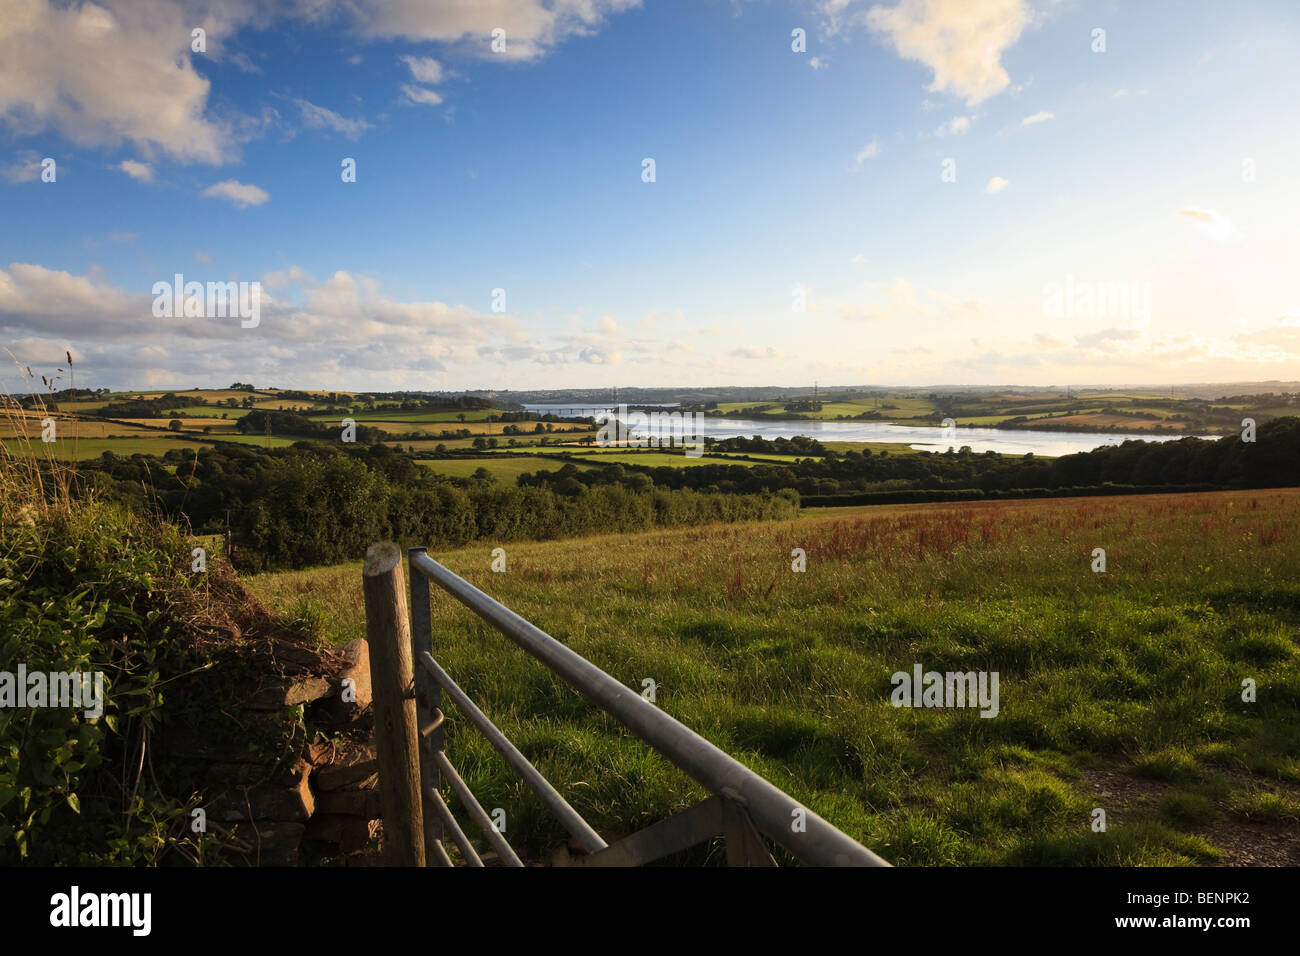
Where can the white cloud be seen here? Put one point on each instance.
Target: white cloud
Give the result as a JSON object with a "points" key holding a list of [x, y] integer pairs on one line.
{"points": [[955, 126], [756, 352], [1131, 352], [424, 69], [420, 95], [318, 117], [961, 41], [35, 349], [1211, 224], [346, 332], [817, 63], [139, 171], [997, 184], [44, 301], [1040, 117], [26, 168], [870, 151], [294, 275], [104, 74], [241, 194], [532, 26], [901, 299], [108, 72]]}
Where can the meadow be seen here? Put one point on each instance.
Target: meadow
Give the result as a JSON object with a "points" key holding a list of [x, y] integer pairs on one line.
{"points": [[501, 468], [1119, 690]]}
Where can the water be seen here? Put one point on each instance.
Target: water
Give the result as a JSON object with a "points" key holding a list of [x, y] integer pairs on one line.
{"points": [[922, 438], [585, 411], [919, 437]]}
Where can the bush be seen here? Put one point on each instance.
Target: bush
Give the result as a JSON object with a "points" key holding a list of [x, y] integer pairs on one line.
{"points": [[84, 591]]}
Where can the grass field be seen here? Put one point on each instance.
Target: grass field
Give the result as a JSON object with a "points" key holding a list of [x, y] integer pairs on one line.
{"points": [[505, 470], [503, 443], [433, 426], [654, 459], [81, 449], [209, 412], [275, 441], [73, 428], [647, 459], [904, 406], [444, 419], [1119, 690]]}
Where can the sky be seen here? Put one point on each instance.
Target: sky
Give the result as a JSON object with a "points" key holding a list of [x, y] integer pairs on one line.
{"points": [[907, 192]]}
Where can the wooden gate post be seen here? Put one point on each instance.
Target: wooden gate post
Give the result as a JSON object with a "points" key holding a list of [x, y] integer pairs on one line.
{"points": [[396, 739]]}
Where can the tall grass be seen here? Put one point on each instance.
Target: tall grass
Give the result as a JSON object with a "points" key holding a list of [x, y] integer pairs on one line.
{"points": [[1137, 670], [34, 483]]}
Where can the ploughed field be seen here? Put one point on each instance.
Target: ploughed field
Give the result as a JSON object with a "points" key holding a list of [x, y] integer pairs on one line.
{"points": [[1119, 691]]}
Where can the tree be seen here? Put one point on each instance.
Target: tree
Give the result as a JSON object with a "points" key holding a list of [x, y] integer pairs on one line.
{"points": [[175, 425]]}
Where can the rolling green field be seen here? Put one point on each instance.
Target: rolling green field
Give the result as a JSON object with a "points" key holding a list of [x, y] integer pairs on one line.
{"points": [[81, 449], [445, 419], [893, 406], [502, 469], [508, 468], [1120, 691], [648, 459], [262, 441]]}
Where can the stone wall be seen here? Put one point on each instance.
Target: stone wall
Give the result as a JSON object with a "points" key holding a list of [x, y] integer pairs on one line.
{"points": [[272, 796]]}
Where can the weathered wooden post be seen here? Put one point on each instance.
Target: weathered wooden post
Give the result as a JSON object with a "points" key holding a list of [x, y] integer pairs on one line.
{"points": [[396, 739]]}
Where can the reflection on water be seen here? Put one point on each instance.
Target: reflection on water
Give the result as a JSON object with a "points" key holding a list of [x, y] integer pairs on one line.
{"points": [[1007, 441], [1011, 442]]}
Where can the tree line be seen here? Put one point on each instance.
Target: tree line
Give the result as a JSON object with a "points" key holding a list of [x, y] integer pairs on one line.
{"points": [[315, 503]]}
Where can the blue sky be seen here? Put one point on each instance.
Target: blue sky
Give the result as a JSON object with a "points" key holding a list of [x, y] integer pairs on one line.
{"points": [[799, 226]]}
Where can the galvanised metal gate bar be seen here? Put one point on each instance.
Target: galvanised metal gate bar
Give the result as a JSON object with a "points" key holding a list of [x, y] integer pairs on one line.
{"points": [[743, 805]]}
